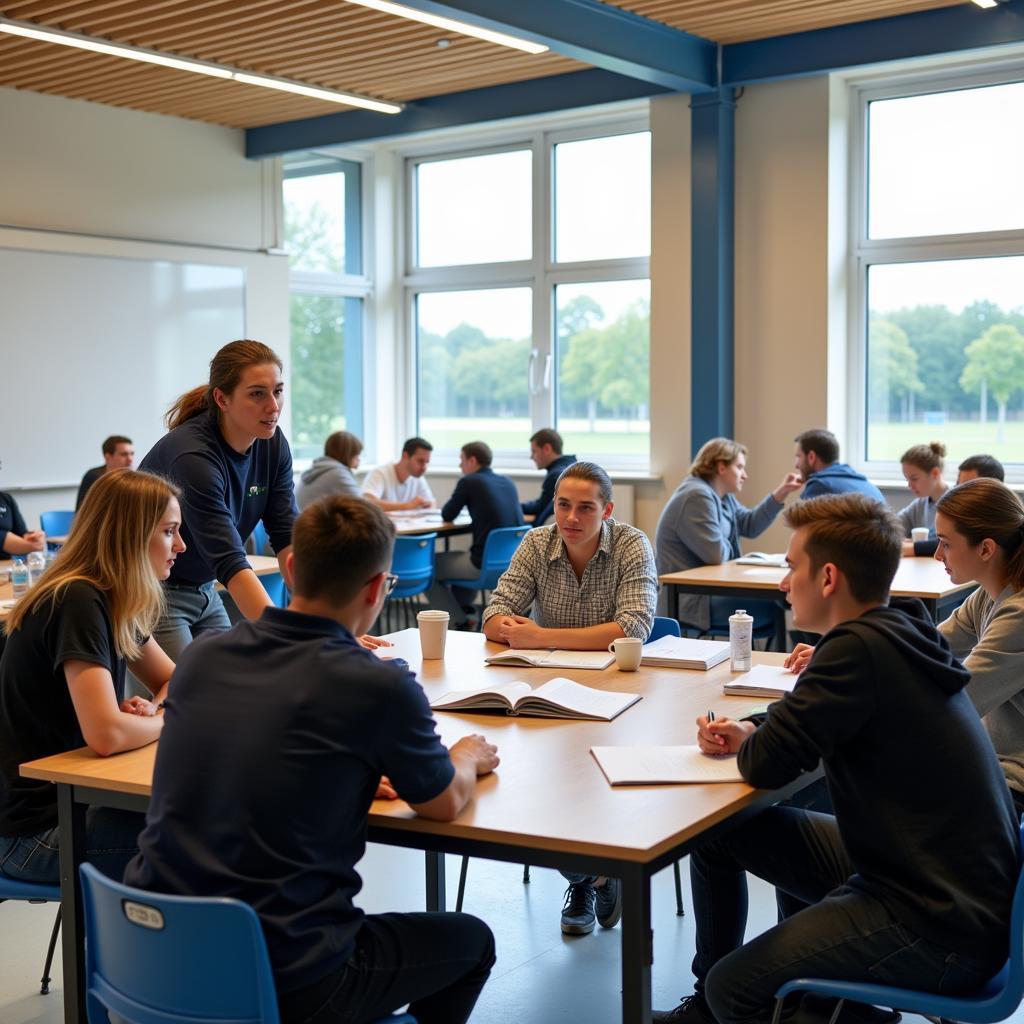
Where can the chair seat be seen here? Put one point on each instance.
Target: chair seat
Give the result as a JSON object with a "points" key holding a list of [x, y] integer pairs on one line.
{"points": [[13, 889]]}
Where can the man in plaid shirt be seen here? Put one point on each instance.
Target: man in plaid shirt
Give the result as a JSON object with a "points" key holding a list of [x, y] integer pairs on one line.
{"points": [[588, 580]]}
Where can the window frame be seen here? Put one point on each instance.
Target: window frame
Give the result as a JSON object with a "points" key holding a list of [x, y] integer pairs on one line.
{"points": [[865, 252], [540, 273]]}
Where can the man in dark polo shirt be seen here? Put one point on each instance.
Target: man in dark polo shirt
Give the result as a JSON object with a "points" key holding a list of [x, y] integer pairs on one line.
{"points": [[492, 502], [276, 738]]}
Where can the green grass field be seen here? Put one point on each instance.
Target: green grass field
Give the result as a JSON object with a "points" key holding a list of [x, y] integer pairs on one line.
{"points": [[610, 437], [888, 441]]}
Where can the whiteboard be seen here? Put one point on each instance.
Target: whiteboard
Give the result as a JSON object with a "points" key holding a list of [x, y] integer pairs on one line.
{"points": [[94, 345]]}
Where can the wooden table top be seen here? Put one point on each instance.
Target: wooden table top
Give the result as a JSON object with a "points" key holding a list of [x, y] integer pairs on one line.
{"points": [[410, 524], [916, 577], [548, 793]]}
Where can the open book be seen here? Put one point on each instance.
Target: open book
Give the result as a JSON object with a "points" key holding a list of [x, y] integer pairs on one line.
{"points": [[552, 659], [682, 652], [762, 681], [640, 766], [761, 558], [557, 698]]}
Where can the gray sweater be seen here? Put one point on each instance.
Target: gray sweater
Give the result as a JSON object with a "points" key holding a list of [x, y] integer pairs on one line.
{"points": [[988, 637], [326, 476], [699, 528], [920, 512]]}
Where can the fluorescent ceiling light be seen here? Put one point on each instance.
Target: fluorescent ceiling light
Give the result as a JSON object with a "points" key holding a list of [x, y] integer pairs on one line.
{"points": [[451, 25], [199, 67], [987, 3]]}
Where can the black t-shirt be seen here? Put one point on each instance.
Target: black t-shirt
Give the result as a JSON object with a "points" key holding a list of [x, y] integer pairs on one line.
{"points": [[10, 520], [275, 737], [37, 717], [90, 477]]}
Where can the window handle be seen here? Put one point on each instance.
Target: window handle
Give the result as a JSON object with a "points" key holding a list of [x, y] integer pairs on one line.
{"points": [[547, 372], [534, 353]]}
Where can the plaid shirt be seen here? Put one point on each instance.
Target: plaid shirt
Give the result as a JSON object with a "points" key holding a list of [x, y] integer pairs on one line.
{"points": [[620, 583]]}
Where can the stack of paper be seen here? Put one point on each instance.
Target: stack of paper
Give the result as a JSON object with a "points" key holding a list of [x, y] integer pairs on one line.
{"points": [[552, 659], [640, 766], [762, 681], [681, 652], [761, 558]]}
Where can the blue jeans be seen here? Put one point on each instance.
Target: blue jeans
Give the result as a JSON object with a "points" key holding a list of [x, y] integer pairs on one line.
{"points": [[111, 841], [436, 962], [843, 932], [191, 611]]}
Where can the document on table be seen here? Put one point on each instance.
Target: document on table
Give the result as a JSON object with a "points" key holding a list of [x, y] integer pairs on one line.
{"points": [[762, 681], [642, 766]]}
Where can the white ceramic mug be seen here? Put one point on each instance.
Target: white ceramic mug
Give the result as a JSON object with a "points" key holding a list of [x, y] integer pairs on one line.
{"points": [[919, 533], [433, 633], [628, 651]]}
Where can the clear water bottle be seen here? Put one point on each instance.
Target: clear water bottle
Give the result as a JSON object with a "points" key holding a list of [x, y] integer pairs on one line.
{"points": [[19, 577], [36, 564], [741, 640]]}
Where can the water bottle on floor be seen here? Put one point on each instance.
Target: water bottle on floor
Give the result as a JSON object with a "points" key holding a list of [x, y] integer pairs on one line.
{"points": [[19, 577]]}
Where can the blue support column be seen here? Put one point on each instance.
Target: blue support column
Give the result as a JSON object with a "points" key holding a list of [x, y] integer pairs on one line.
{"points": [[713, 170]]}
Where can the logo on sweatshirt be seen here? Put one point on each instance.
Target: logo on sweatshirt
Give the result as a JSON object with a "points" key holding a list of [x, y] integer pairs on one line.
{"points": [[255, 490]]}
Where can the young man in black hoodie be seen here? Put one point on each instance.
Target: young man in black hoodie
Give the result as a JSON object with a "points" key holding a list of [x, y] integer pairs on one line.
{"points": [[910, 883]]}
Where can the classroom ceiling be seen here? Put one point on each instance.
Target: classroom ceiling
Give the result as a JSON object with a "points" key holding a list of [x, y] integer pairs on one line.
{"points": [[335, 44]]}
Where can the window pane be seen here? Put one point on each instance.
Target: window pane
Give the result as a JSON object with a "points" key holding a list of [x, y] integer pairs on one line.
{"points": [[319, 369], [945, 358], [314, 221], [946, 163], [473, 353], [603, 198], [474, 210], [604, 386]]}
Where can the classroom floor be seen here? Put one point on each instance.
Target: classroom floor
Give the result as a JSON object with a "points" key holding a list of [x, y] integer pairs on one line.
{"points": [[541, 977]]}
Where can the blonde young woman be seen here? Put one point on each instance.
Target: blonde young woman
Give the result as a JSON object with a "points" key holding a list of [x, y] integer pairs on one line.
{"points": [[62, 675], [922, 467]]}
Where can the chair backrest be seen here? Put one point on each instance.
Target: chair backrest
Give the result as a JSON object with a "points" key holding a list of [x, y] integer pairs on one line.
{"points": [[664, 626], [1014, 990], [260, 539], [499, 548], [56, 523], [413, 563], [151, 958]]}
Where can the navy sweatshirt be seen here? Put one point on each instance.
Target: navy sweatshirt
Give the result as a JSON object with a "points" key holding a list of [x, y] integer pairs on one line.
{"points": [[224, 495], [542, 507], [919, 797], [493, 503]]}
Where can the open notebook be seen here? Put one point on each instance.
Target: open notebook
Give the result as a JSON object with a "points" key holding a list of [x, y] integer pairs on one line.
{"points": [[645, 766], [553, 659], [557, 698], [762, 681]]}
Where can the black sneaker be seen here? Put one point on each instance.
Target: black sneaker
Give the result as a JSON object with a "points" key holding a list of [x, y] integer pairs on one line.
{"points": [[693, 1010], [608, 903], [578, 913]]}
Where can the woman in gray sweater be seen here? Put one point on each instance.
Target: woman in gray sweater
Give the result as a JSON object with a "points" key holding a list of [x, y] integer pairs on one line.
{"points": [[922, 469], [331, 473]]}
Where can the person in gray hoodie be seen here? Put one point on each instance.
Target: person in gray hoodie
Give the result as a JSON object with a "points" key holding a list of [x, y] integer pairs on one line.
{"points": [[702, 525], [331, 473]]}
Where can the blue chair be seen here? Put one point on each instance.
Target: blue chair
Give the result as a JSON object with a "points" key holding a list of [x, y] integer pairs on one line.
{"points": [[273, 584], [260, 540], [31, 892], [157, 959], [499, 548], [996, 1000], [663, 626], [57, 524], [413, 563]]}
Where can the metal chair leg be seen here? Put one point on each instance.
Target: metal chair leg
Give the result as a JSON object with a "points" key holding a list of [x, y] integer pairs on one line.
{"points": [[462, 884], [44, 984], [680, 912], [526, 874]]}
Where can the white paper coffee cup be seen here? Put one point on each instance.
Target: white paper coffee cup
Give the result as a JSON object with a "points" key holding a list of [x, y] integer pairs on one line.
{"points": [[433, 632], [919, 533], [628, 651]]}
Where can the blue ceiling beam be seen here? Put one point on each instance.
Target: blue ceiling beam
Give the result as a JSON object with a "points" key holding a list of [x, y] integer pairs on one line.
{"points": [[595, 33], [537, 96], [965, 27]]}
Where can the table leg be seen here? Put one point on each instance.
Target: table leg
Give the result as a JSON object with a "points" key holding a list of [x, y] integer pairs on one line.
{"points": [[71, 819], [436, 899], [637, 946]]}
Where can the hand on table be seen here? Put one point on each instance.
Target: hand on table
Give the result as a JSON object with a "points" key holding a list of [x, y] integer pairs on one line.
{"points": [[723, 735], [476, 748], [371, 643], [796, 661], [385, 791], [36, 538], [520, 632], [139, 706]]}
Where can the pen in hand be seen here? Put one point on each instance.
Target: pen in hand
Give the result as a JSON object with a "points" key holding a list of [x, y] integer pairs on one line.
{"points": [[711, 716]]}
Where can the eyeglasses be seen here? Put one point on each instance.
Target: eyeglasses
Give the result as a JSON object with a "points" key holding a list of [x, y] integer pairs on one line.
{"points": [[391, 581]]}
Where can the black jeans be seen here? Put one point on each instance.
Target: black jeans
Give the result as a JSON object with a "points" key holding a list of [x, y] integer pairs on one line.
{"points": [[436, 962], [843, 932]]}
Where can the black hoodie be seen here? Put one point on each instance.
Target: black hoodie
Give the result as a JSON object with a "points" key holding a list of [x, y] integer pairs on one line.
{"points": [[919, 797]]}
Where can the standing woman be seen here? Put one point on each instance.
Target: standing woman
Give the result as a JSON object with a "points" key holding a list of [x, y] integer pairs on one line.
{"points": [[226, 452], [62, 674], [980, 528], [922, 469]]}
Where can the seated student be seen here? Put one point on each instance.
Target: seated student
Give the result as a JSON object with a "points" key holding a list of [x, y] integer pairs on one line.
{"points": [[588, 581], [400, 485], [911, 881], [118, 453], [702, 525], [15, 538], [922, 467], [62, 674], [285, 824], [816, 459], [973, 467], [493, 503], [331, 473], [546, 453]]}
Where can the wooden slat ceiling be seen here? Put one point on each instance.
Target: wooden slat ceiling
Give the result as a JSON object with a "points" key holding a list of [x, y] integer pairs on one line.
{"points": [[334, 44]]}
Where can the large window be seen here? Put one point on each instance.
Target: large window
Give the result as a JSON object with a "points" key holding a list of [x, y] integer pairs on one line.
{"points": [[323, 235], [528, 293], [939, 252]]}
